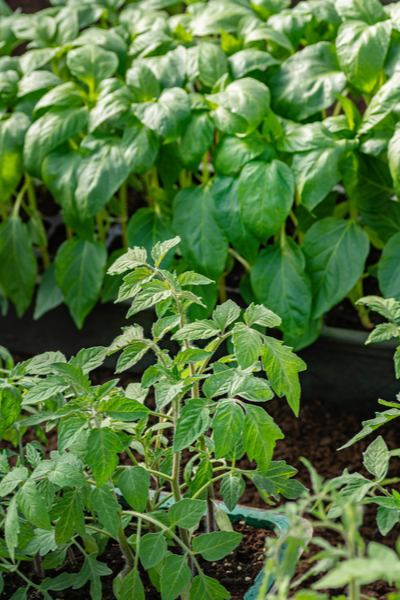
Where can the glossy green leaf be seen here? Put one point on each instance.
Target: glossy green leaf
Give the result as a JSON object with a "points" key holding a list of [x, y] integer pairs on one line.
{"points": [[195, 140], [226, 197], [361, 51], [60, 174], [212, 63], [100, 174], [370, 11], [381, 104], [203, 241], [280, 282], [140, 146], [49, 132], [92, 64], [143, 82], [241, 107], [243, 62], [49, 295], [234, 152], [307, 82], [266, 193], [18, 265], [12, 134], [168, 115], [388, 270], [332, 247], [79, 274]]}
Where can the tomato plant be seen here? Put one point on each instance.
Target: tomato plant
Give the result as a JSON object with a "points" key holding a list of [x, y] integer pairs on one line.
{"points": [[265, 137]]}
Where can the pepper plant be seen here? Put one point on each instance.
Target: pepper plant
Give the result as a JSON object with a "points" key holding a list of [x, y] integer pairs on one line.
{"points": [[207, 405], [265, 137]]}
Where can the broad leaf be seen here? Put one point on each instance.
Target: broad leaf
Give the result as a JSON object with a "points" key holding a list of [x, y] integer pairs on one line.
{"points": [[18, 265], [12, 133], [203, 241], [232, 488], [388, 270], [361, 50], [280, 282], [79, 274], [186, 513], [266, 193], [92, 64], [49, 132], [241, 107], [226, 198], [153, 548], [334, 246], [206, 588], [168, 115], [307, 82]]}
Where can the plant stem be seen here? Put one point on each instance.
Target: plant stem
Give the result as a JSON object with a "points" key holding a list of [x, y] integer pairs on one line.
{"points": [[33, 206], [100, 227], [20, 446], [240, 259], [123, 197], [19, 199], [206, 172], [222, 290]]}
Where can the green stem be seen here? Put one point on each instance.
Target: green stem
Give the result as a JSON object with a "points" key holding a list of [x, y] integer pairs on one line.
{"points": [[206, 485], [102, 232], [206, 172], [33, 206], [123, 197], [19, 199], [20, 446], [240, 259]]}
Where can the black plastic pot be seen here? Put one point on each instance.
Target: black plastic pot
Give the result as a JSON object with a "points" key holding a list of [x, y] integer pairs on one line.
{"points": [[341, 369]]}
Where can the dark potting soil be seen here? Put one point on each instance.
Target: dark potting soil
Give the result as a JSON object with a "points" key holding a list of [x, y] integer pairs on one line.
{"points": [[236, 572]]}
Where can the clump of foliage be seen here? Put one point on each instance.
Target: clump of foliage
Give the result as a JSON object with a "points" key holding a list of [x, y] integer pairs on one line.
{"points": [[265, 137], [348, 564], [206, 405]]}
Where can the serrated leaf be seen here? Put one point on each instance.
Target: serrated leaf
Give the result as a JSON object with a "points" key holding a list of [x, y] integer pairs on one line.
{"points": [[227, 425], [193, 421], [259, 436], [187, 513], [153, 548], [134, 483], [216, 545], [232, 488], [206, 588], [101, 457], [282, 368], [107, 508], [247, 344], [175, 577], [376, 458]]}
